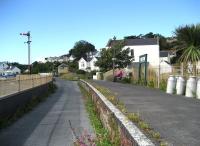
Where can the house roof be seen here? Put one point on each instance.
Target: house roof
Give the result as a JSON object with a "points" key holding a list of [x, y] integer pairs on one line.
{"points": [[12, 67], [88, 59], [63, 65], [134, 42], [164, 53], [3, 63]]}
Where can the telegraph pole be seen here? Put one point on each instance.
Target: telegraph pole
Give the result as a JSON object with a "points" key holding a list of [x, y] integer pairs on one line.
{"points": [[28, 34]]}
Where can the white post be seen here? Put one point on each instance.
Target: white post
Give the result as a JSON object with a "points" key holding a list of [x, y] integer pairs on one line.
{"points": [[159, 75]]}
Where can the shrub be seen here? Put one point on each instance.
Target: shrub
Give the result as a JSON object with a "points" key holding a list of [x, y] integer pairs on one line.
{"points": [[134, 117], [126, 80], [93, 72], [80, 71], [163, 85], [156, 135], [143, 125], [151, 84]]}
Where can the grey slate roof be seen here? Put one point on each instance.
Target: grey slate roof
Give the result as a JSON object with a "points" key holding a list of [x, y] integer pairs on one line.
{"points": [[134, 42], [164, 53]]}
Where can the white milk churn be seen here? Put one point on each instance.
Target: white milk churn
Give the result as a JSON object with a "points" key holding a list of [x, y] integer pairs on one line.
{"points": [[198, 89], [171, 84], [191, 86], [180, 86]]}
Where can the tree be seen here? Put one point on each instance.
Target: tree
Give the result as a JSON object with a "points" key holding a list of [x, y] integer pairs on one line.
{"points": [[188, 44], [44, 67], [122, 57], [81, 48], [73, 66]]}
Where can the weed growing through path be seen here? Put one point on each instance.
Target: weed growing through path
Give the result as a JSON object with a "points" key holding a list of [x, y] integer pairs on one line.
{"points": [[103, 137], [85, 139]]}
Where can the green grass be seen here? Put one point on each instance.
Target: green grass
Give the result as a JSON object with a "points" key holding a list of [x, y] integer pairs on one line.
{"points": [[6, 121], [73, 76], [103, 137]]}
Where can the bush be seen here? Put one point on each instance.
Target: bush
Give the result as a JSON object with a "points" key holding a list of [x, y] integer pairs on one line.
{"points": [[163, 85], [126, 80], [151, 84], [80, 72], [93, 72]]}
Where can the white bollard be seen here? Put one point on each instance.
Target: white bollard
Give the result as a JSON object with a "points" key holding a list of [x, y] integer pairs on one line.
{"points": [[191, 86], [198, 89], [171, 84], [180, 86]]}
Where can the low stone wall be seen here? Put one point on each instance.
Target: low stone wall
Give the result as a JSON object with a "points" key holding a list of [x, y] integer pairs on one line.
{"points": [[113, 119], [10, 103]]}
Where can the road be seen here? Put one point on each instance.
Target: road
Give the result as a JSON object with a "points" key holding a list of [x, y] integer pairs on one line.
{"points": [[177, 118], [47, 124]]}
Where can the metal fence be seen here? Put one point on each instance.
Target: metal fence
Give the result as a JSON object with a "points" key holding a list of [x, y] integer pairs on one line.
{"points": [[22, 82]]}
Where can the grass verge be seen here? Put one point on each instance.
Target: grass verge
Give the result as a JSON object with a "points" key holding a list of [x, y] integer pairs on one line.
{"points": [[25, 109], [103, 136], [72, 76]]}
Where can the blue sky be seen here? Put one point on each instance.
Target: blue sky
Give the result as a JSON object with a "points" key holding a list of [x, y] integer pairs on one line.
{"points": [[56, 25]]}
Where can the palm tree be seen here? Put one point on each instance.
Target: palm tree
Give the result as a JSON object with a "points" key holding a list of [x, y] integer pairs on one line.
{"points": [[188, 44]]}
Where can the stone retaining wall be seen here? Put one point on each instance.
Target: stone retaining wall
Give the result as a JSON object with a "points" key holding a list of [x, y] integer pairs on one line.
{"points": [[113, 119]]}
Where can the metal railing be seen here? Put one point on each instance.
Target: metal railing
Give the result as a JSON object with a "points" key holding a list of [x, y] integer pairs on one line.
{"points": [[22, 82]]}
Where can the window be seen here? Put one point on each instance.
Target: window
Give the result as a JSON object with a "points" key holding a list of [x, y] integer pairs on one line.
{"points": [[82, 64], [132, 53]]}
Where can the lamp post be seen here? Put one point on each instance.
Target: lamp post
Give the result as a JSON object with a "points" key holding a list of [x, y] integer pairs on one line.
{"points": [[113, 60], [28, 34]]}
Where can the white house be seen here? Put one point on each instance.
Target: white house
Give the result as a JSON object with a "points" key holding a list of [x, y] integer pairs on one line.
{"points": [[5, 69], [14, 70], [71, 58], [52, 59], [3, 66], [87, 65], [92, 64], [82, 64], [165, 62], [138, 47]]}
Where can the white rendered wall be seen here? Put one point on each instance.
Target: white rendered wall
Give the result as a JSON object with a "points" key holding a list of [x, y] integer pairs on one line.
{"points": [[92, 64], [152, 52], [82, 61]]}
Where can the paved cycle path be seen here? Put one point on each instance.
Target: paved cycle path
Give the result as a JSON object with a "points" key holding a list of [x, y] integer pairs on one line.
{"points": [[48, 123], [177, 118]]}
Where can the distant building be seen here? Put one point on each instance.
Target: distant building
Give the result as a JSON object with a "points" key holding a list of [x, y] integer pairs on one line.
{"points": [[6, 70], [63, 68], [71, 58], [62, 58], [14, 70], [52, 59], [3, 66], [165, 61], [88, 65]]}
